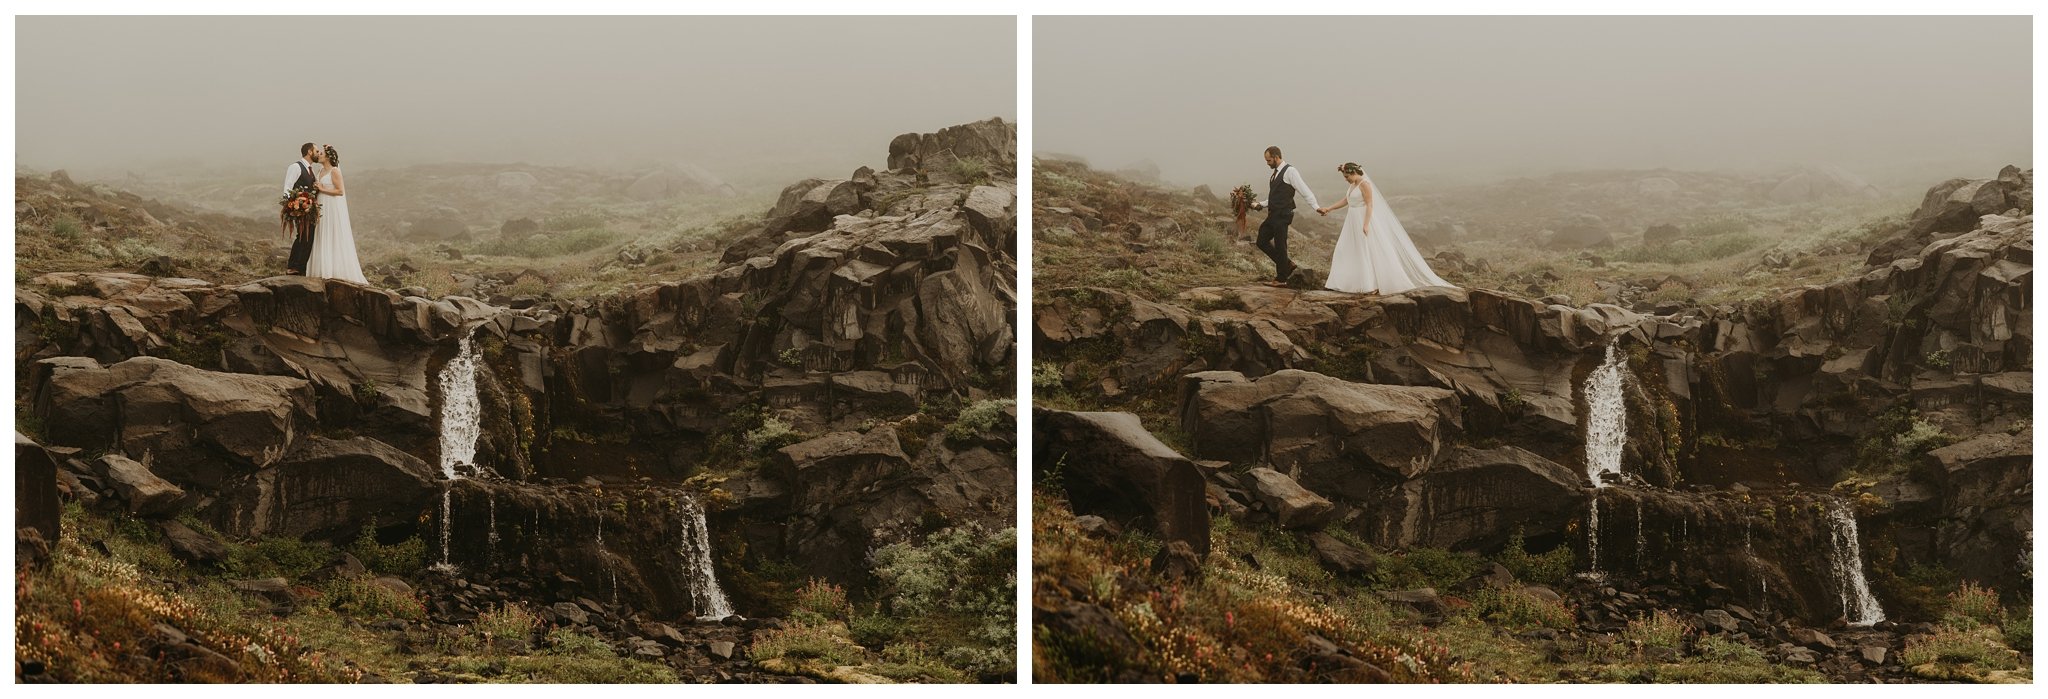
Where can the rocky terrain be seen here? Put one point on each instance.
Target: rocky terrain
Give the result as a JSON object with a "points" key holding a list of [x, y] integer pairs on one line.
{"points": [[1650, 240], [1833, 482], [499, 232], [799, 466]]}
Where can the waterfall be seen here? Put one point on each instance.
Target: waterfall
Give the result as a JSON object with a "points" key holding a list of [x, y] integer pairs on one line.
{"points": [[696, 553], [1606, 435], [460, 424], [1642, 544], [1593, 532], [461, 412], [491, 541], [1846, 555], [1607, 418]]}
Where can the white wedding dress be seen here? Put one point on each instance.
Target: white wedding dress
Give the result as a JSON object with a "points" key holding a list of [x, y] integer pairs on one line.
{"points": [[334, 243], [1376, 256]]}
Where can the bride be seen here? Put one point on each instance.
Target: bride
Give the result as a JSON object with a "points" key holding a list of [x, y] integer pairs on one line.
{"points": [[334, 243], [1374, 254]]}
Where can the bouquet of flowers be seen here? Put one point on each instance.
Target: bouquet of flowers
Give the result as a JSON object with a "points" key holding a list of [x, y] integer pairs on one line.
{"points": [[300, 209], [1241, 200]]}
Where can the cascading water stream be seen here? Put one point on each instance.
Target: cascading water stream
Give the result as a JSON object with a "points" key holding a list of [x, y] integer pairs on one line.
{"points": [[1606, 435], [461, 414], [1642, 543], [696, 554], [1846, 554], [491, 541]]}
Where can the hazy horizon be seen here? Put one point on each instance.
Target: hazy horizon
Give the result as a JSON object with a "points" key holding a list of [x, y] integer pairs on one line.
{"points": [[1481, 98], [742, 96]]}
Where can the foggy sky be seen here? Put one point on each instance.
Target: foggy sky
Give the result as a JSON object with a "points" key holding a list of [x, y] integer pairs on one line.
{"points": [[729, 93], [1478, 98]]}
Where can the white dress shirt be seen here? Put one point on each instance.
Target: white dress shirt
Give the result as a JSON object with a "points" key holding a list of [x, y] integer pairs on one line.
{"points": [[291, 173], [1294, 180]]}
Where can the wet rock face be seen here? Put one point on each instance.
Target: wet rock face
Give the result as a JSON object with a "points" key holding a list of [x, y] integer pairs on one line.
{"points": [[326, 488], [617, 546]]}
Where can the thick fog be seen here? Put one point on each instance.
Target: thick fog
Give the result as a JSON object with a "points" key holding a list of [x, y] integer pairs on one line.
{"points": [[1898, 100], [775, 98]]}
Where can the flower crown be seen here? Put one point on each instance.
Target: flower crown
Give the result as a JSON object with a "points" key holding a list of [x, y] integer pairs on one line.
{"points": [[1351, 169]]}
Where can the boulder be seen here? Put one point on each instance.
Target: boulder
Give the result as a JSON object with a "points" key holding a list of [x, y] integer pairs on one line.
{"points": [[1986, 484], [192, 545], [1718, 621], [1177, 561], [992, 213], [196, 427], [1422, 599], [810, 205], [1340, 557], [1813, 638], [1474, 498], [327, 488], [36, 501], [1293, 506], [992, 141], [1342, 439], [1109, 465], [133, 483], [817, 470]]}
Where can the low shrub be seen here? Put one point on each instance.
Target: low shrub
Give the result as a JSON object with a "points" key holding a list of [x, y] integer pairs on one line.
{"points": [[978, 418], [507, 622], [1971, 605], [360, 597], [1518, 610], [1658, 629], [567, 642], [402, 558], [818, 602], [803, 643], [1951, 651], [774, 433], [1548, 568]]}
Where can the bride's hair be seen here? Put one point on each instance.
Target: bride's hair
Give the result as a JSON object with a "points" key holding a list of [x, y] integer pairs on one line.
{"points": [[333, 157], [1347, 168]]}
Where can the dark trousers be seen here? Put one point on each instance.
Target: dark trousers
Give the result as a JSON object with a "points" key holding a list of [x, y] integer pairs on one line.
{"points": [[302, 249], [1273, 240]]}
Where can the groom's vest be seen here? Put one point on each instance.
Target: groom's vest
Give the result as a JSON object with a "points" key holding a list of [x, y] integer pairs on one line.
{"points": [[1280, 194], [306, 176]]}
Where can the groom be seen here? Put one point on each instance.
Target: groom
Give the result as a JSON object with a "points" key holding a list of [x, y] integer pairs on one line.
{"points": [[1280, 189], [296, 175]]}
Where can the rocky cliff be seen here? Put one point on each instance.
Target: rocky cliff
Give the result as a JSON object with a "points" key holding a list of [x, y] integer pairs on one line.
{"points": [[808, 395], [1456, 418]]}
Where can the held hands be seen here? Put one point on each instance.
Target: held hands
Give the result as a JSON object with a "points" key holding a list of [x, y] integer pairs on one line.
{"points": [[1258, 206], [1323, 211]]}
